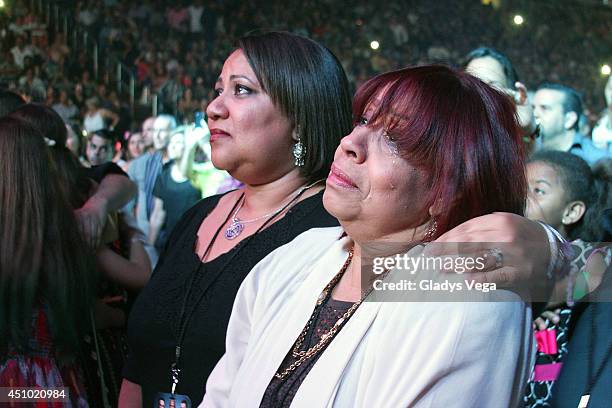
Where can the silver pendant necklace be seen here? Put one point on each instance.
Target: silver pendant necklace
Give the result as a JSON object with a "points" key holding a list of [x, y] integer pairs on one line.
{"points": [[236, 225]]}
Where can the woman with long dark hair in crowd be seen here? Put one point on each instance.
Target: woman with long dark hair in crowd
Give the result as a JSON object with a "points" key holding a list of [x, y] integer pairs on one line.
{"points": [[120, 258], [46, 272]]}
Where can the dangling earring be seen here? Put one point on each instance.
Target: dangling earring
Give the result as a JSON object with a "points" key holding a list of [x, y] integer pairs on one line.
{"points": [[299, 152], [431, 231]]}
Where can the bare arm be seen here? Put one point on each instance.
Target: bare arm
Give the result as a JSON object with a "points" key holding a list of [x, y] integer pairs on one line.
{"points": [[158, 217], [113, 192], [193, 138], [131, 273], [130, 395], [186, 164], [112, 116]]}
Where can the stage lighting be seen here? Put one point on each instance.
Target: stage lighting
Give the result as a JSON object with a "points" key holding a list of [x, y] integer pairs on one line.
{"points": [[605, 69], [374, 45], [518, 19]]}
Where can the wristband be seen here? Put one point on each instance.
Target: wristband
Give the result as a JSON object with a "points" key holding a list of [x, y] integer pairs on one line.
{"points": [[560, 253]]}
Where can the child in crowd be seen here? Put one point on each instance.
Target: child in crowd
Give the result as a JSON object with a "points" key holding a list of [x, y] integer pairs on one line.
{"points": [[565, 193]]}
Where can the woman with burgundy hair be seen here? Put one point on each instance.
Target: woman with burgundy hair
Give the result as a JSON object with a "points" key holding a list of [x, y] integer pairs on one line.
{"points": [[430, 149], [282, 105]]}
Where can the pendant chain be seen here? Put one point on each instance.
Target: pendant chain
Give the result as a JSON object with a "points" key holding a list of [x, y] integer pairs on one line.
{"points": [[236, 225], [304, 355]]}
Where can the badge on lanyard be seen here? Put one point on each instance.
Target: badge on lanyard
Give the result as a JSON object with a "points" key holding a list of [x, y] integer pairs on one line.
{"points": [[172, 400], [167, 400]]}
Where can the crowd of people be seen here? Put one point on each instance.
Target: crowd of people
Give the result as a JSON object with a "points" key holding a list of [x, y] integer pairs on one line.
{"points": [[175, 49], [224, 256]]}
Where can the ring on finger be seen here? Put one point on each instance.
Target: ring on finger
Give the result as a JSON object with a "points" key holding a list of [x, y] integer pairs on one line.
{"points": [[496, 254]]}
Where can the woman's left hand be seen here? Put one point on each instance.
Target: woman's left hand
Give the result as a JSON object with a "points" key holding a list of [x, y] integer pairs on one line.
{"points": [[517, 251]]}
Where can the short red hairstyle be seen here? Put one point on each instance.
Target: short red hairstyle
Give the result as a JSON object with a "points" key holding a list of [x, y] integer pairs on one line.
{"points": [[463, 133]]}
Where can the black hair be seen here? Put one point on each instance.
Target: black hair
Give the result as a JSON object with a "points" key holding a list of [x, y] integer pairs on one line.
{"points": [[104, 134], [572, 101], [307, 83], [482, 52], [48, 122], [9, 101], [51, 126], [45, 263], [580, 183]]}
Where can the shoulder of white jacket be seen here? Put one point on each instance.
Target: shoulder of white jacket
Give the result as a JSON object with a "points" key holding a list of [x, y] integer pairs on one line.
{"points": [[313, 240], [296, 254]]}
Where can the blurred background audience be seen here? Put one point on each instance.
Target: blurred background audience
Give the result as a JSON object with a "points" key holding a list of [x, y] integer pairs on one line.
{"points": [[67, 52]]}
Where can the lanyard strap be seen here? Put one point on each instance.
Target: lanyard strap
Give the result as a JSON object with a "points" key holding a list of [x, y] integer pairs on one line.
{"points": [[175, 370], [184, 318]]}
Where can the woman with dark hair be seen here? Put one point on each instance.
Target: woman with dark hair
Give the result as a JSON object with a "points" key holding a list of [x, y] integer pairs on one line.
{"points": [[47, 277], [494, 68], [120, 257], [282, 106], [278, 139], [133, 147], [430, 149]]}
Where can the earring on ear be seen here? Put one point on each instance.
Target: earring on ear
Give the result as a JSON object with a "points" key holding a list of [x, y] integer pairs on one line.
{"points": [[299, 152], [431, 231]]}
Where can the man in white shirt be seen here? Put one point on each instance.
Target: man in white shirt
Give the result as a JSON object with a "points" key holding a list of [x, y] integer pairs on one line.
{"points": [[557, 108], [20, 51], [196, 10]]}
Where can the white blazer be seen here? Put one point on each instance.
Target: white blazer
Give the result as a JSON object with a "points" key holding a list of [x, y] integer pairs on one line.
{"points": [[388, 354]]}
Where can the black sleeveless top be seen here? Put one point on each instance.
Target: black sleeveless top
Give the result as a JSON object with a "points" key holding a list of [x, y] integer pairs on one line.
{"points": [[153, 321]]}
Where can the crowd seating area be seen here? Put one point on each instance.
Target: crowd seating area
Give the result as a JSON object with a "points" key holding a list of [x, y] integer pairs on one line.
{"points": [[175, 49]]}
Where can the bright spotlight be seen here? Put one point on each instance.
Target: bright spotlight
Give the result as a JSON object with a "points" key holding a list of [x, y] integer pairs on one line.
{"points": [[2, 4], [518, 19], [605, 69], [374, 45]]}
